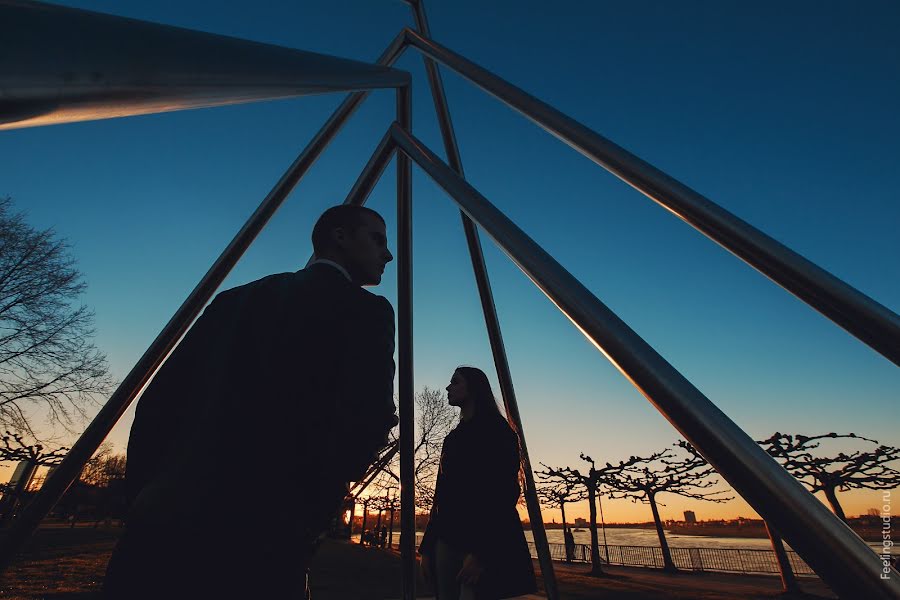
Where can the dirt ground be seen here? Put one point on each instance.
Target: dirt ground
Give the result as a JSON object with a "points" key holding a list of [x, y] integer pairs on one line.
{"points": [[60, 563]]}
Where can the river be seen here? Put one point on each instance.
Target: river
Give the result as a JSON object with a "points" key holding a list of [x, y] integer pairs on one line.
{"points": [[621, 536], [647, 537]]}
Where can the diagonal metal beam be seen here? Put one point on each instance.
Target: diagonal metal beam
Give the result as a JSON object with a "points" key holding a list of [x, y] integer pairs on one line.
{"points": [[492, 321], [378, 466], [142, 372], [827, 544], [871, 322], [60, 64]]}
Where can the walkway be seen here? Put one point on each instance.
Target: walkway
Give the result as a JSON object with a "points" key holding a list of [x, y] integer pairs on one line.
{"points": [[68, 564]]}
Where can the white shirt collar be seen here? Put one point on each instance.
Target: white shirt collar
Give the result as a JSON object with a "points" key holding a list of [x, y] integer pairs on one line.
{"points": [[325, 261]]}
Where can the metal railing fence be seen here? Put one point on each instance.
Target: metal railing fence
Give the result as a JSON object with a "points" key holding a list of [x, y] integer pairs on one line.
{"points": [[726, 560]]}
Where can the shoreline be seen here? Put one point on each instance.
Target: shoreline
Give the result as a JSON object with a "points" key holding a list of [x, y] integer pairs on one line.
{"points": [[868, 534]]}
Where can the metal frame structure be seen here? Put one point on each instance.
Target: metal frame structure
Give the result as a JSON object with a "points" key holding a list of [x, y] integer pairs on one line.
{"points": [[826, 543]]}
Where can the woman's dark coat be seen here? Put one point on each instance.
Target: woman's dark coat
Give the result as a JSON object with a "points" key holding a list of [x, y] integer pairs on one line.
{"points": [[474, 508]]}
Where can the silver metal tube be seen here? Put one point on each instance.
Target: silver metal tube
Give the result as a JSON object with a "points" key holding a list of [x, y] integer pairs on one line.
{"points": [[788, 580], [841, 558], [860, 315], [405, 355], [371, 173], [492, 322], [374, 470], [63, 476], [61, 64]]}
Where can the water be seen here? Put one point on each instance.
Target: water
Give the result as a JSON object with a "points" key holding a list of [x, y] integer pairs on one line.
{"points": [[647, 537], [637, 537]]}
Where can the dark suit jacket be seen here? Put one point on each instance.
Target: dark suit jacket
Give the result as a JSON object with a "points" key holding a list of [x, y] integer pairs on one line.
{"points": [[474, 507], [279, 394]]}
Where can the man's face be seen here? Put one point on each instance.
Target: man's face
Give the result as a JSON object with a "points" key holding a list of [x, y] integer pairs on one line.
{"points": [[365, 250]]}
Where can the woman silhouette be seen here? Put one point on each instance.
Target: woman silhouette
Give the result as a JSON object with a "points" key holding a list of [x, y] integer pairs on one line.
{"points": [[474, 546]]}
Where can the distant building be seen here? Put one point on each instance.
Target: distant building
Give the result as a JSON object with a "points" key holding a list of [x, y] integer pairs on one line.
{"points": [[873, 512], [579, 522], [690, 517]]}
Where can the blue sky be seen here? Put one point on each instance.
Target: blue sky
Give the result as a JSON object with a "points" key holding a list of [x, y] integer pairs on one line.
{"points": [[783, 113]]}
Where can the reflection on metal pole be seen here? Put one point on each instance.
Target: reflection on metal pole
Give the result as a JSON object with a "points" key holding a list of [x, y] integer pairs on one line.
{"points": [[63, 476], [603, 524], [61, 64], [492, 322], [837, 554], [405, 355], [860, 315]]}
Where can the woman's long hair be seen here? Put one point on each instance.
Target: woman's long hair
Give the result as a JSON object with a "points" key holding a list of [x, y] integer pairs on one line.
{"points": [[479, 389]]}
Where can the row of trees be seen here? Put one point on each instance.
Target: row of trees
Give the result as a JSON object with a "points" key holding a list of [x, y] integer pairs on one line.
{"points": [[678, 470], [99, 491], [641, 479], [682, 471]]}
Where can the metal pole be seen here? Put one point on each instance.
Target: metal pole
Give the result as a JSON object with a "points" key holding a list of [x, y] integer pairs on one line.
{"points": [[603, 523], [837, 554], [492, 322], [60, 64], [13, 498], [352, 517], [362, 530], [373, 471], [860, 315], [60, 480], [405, 354], [371, 173], [788, 580]]}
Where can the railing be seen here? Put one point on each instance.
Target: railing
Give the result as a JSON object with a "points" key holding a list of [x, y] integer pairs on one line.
{"points": [[727, 560]]}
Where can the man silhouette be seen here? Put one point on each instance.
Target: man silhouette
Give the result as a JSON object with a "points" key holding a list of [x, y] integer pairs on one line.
{"points": [[243, 443]]}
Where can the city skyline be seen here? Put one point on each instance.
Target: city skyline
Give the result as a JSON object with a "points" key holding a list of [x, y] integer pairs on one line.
{"points": [[783, 114]]}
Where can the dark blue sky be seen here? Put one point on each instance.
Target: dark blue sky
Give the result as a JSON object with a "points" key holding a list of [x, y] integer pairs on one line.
{"points": [[783, 113]]}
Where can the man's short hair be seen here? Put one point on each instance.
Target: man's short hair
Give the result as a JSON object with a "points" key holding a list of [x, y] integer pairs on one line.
{"points": [[347, 216]]}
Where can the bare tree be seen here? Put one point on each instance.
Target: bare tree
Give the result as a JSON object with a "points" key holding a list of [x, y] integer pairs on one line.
{"points": [[592, 483], [434, 420], [104, 467], [47, 359], [559, 489], [857, 469], [687, 476]]}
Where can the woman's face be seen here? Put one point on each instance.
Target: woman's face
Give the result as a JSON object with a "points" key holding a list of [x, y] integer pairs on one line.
{"points": [[456, 391]]}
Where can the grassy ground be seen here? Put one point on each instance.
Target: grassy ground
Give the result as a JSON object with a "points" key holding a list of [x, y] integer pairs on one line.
{"points": [[60, 563]]}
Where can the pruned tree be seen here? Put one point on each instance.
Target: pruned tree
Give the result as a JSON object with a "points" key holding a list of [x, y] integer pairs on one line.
{"points": [[856, 469], [15, 448], [47, 359], [556, 490], [687, 475], [591, 482]]}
